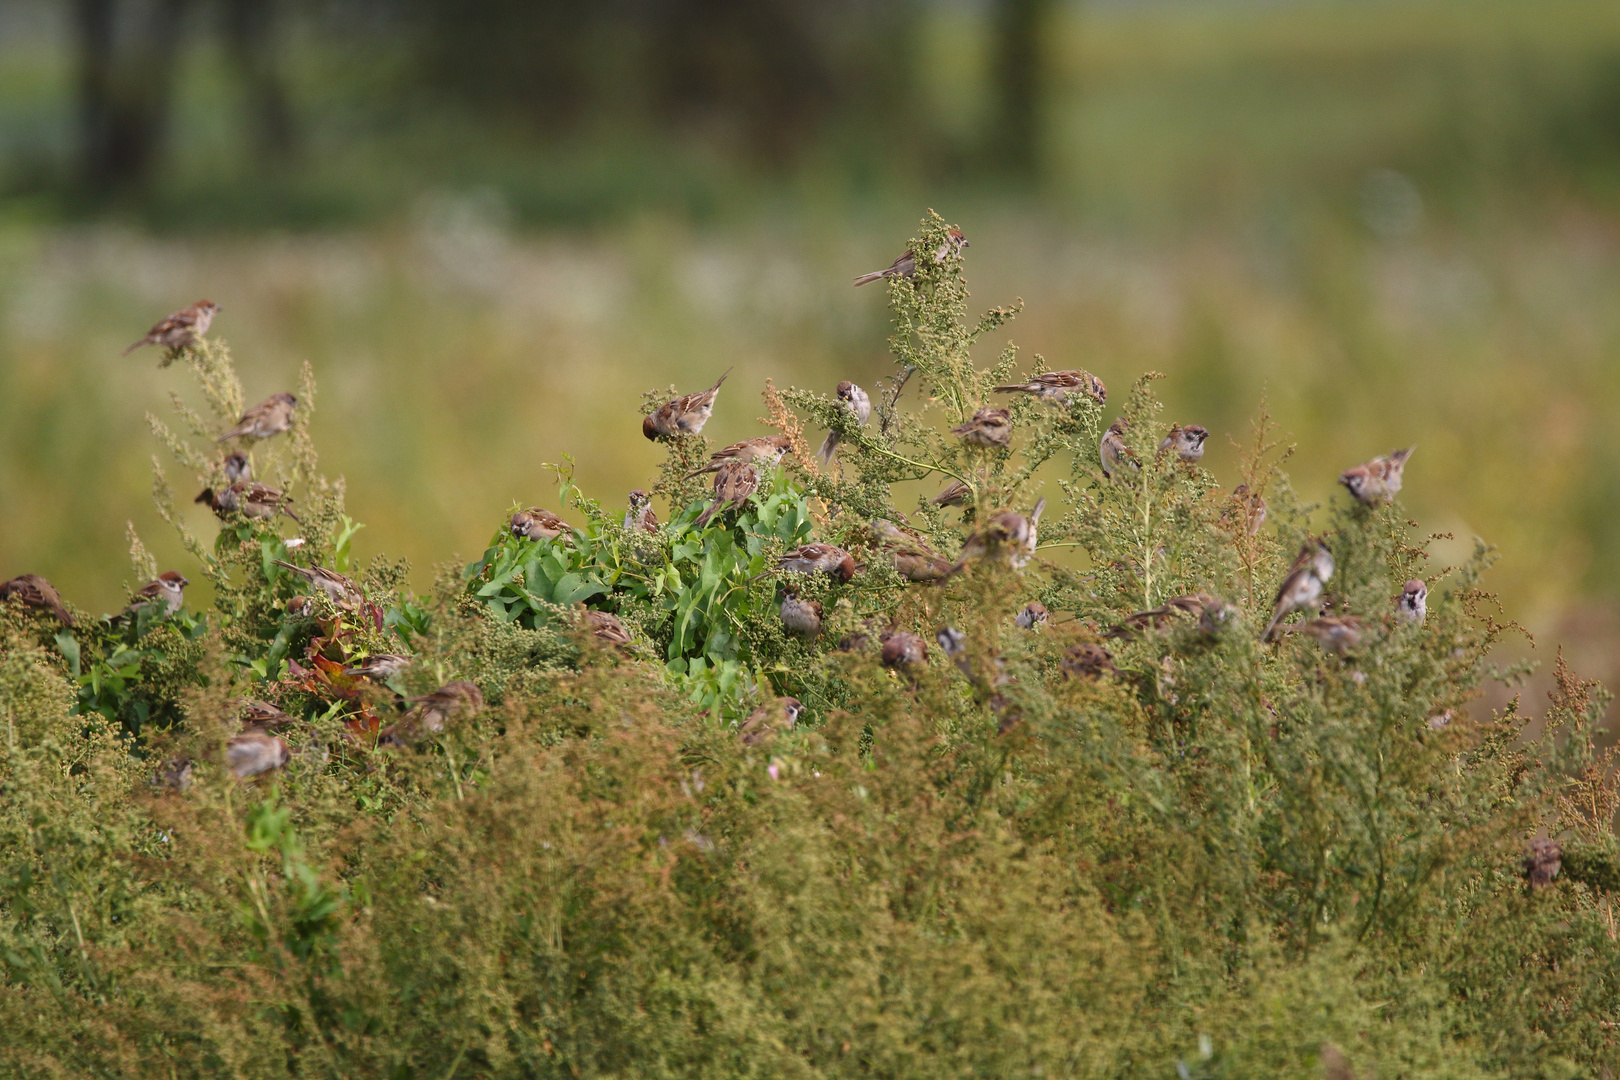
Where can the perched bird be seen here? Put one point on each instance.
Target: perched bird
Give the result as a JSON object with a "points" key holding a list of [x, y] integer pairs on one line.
{"points": [[254, 752], [1336, 634], [299, 607], [257, 715], [906, 265], [1087, 660], [237, 466], [606, 628], [1379, 480], [683, 416], [1244, 511], [1301, 590], [783, 713], [913, 558], [536, 523], [269, 417], [956, 493], [1187, 442], [1005, 531], [951, 640], [380, 667], [987, 427], [169, 590], [904, 651], [182, 329], [434, 710], [1412, 606], [1056, 386], [1113, 450], [734, 483], [33, 591], [1209, 611], [818, 559], [801, 618], [343, 593], [640, 517], [856, 402], [1033, 617], [1542, 861], [766, 448], [251, 500], [175, 774]]}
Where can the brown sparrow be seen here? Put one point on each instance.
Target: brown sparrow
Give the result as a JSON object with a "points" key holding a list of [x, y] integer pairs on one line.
{"points": [[269, 417], [801, 618], [257, 715], [782, 713], [906, 265], [251, 500], [1033, 617], [913, 558], [1379, 480], [987, 427], [169, 590], [1249, 510], [434, 710], [539, 524], [1338, 635], [343, 593], [1056, 386], [1301, 590], [766, 448], [1542, 861], [856, 402], [33, 591], [1113, 450], [1413, 604], [640, 517], [606, 628], [237, 467], [904, 650], [683, 416], [818, 559], [175, 774], [734, 483], [1087, 660], [299, 607], [380, 666], [956, 493], [1209, 610], [180, 330], [1006, 530], [254, 752], [1187, 442]]}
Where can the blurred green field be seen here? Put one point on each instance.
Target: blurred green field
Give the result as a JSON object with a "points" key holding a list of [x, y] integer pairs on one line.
{"points": [[1394, 220]]}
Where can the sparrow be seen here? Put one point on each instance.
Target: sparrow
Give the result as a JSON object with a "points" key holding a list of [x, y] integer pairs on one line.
{"points": [[683, 416], [380, 667], [1005, 530], [766, 448], [1543, 859], [180, 330], [1412, 606], [169, 590], [237, 467], [1379, 480], [1338, 635], [903, 650], [175, 774], [856, 402], [1187, 442], [1248, 509], [734, 483], [254, 752], [299, 607], [434, 710], [343, 593], [1209, 610], [1087, 660], [987, 427], [269, 417], [913, 558], [906, 265], [539, 524], [251, 500], [33, 591], [1033, 617], [782, 713], [818, 559], [802, 618], [1113, 450], [640, 517], [257, 715], [1301, 590], [1056, 386], [606, 628], [956, 493], [952, 640]]}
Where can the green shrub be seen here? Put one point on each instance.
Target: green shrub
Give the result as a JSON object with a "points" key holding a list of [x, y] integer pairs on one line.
{"points": [[1219, 858]]}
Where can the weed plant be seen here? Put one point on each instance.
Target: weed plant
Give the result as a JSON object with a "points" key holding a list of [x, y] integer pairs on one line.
{"points": [[1199, 854]]}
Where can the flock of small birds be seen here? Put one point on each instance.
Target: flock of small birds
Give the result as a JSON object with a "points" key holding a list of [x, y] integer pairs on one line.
{"points": [[736, 471]]}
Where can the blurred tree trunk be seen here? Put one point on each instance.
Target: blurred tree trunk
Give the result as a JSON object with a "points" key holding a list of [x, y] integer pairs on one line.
{"points": [[1018, 83], [127, 57], [250, 41]]}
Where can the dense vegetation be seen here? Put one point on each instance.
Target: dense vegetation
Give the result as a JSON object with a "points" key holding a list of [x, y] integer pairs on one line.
{"points": [[1175, 849]]}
